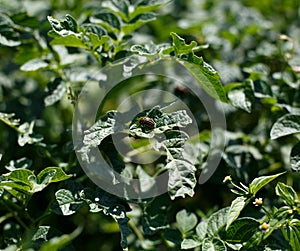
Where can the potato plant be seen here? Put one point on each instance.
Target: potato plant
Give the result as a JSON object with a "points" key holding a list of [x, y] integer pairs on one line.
{"points": [[149, 125]]}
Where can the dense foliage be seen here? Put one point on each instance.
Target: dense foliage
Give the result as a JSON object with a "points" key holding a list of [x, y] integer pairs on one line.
{"points": [[246, 58]]}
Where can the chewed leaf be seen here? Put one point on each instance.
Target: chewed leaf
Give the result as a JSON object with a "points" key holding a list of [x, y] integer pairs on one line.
{"points": [[163, 122], [182, 180], [118, 212], [173, 142], [100, 130]]}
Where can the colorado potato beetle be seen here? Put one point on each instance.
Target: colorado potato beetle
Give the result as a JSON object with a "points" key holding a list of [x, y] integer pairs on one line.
{"points": [[147, 123]]}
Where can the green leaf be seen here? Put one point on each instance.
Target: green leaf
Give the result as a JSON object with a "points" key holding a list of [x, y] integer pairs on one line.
{"points": [[241, 95], [45, 234], [286, 193], [137, 22], [155, 215], [148, 49], [26, 135], [23, 19], [22, 163], [180, 47], [69, 40], [100, 130], [8, 35], [145, 6], [34, 65], [260, 182], [295, 157], [213, 245], [173, 142], [63, 27], [107, 19], [103, 128], [23, 176], [97, 41], [57, 243], [70, 23], [166, 121], [56, 90], [241, 230], [206, 76], [235, 209], [217, 221], [52, 174], [294, 234], [182, 180], [67, 202], [185, 221], [146, 182], [122, 5], [118, 212], [95, 29], [286, 125], [8, 118], [201, 229], [163, 121], [189, 243], [18, 189]]}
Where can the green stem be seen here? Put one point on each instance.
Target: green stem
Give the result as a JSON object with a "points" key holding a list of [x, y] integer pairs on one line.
{"points": [[136, 230]]}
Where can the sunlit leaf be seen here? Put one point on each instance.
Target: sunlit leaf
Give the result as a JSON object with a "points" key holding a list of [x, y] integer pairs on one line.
{"points": [[286, 193], [26, 135], [63, 27], [201, 229], [217, 221], [34, 65], [68, 203], [286, 125], [260, 182], [295, 157], [182, 180], [189, 243], [56, 90], [8, 35], [213, 245], [241, 95], [235, 209], [186, 221], [18, 164]]}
